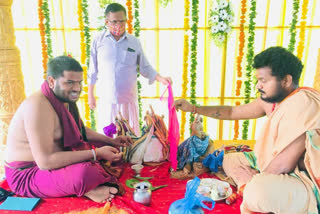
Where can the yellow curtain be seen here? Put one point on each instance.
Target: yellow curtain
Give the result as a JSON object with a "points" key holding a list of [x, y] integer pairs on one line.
{"points": [[162, 36]]}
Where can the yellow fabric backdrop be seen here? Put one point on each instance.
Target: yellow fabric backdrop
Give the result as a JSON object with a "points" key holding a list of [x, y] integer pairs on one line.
{"points": [[162, 39]]}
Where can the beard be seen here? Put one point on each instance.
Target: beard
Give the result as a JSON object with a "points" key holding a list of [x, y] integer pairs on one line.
{"points": [[60, 94], [279, 95]]}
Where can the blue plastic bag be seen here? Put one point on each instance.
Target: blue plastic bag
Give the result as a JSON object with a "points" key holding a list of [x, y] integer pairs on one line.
{"points": [[214, 160], [192, 203]]}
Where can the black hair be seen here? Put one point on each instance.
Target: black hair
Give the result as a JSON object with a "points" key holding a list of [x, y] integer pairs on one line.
{"points": [[281, 62], [58, 65], [114, 7]]}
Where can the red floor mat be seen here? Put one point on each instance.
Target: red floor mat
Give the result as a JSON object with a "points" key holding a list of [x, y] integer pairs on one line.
{"points": [[161, 199]]}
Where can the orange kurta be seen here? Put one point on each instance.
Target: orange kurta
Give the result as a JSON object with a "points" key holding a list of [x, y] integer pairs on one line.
{"points": [[298, 114]]}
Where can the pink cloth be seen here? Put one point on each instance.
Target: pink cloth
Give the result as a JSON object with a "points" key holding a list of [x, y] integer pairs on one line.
{"points": [[76, 179], [173, 131], [110, 130]]}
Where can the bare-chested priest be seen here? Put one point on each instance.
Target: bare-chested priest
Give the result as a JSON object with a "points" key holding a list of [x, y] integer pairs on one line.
{"points": [[49, 151]]}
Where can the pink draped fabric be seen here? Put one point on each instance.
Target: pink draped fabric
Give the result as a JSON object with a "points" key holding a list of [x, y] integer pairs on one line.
{"points": [[70, 120], [76, 179], [173, 130]]}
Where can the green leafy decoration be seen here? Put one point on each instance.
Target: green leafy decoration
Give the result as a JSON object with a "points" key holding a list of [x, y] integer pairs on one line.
{"points": [[46, 14], [293, 30], [137, 29], [103, 3], [164, 3], [86, 23], [250, 55], [193, 57]]}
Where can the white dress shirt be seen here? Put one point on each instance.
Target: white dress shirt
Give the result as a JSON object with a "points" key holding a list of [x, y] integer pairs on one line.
{"points": [[113, 66]]}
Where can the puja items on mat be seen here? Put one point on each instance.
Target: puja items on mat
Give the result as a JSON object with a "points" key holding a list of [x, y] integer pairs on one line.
{"points": [[215, 189], [152, 146], [192, 151]]}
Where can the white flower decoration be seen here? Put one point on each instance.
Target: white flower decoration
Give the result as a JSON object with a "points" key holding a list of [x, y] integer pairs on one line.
{"points": [[230, 18], [220, 38], [223, 4], [222, 26], [216, 9], [214, 29], [223, 14], [220, 19], [215, 19]]}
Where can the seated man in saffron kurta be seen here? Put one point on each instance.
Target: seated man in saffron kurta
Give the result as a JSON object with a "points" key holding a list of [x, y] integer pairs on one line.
{"points": [[49, 151], [281, 175]]}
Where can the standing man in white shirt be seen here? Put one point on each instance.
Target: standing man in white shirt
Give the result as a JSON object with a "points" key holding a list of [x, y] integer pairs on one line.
{"points": [[114, 58]]}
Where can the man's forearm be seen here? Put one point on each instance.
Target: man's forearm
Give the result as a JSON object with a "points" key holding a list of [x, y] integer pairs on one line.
{"points": [[97, 137], [91, 90], [64, 158], [287, 160], [217, 112]]}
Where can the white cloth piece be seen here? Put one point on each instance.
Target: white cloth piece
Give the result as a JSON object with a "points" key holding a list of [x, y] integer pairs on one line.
{"points": [[154, 151], [138, 155]]}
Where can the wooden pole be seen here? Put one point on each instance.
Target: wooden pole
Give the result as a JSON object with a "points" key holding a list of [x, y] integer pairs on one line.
{"points": [[11, 78]]}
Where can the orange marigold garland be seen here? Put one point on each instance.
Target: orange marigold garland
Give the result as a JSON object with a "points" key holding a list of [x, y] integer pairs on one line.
{"points": [[239, 60], [236, 125], [130, 16], [302, 33], [43, 39], [185, 64], [241, 38]]}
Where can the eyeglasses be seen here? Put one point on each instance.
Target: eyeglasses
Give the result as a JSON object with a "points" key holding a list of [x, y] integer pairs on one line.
{"points": [[114, 22]]}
